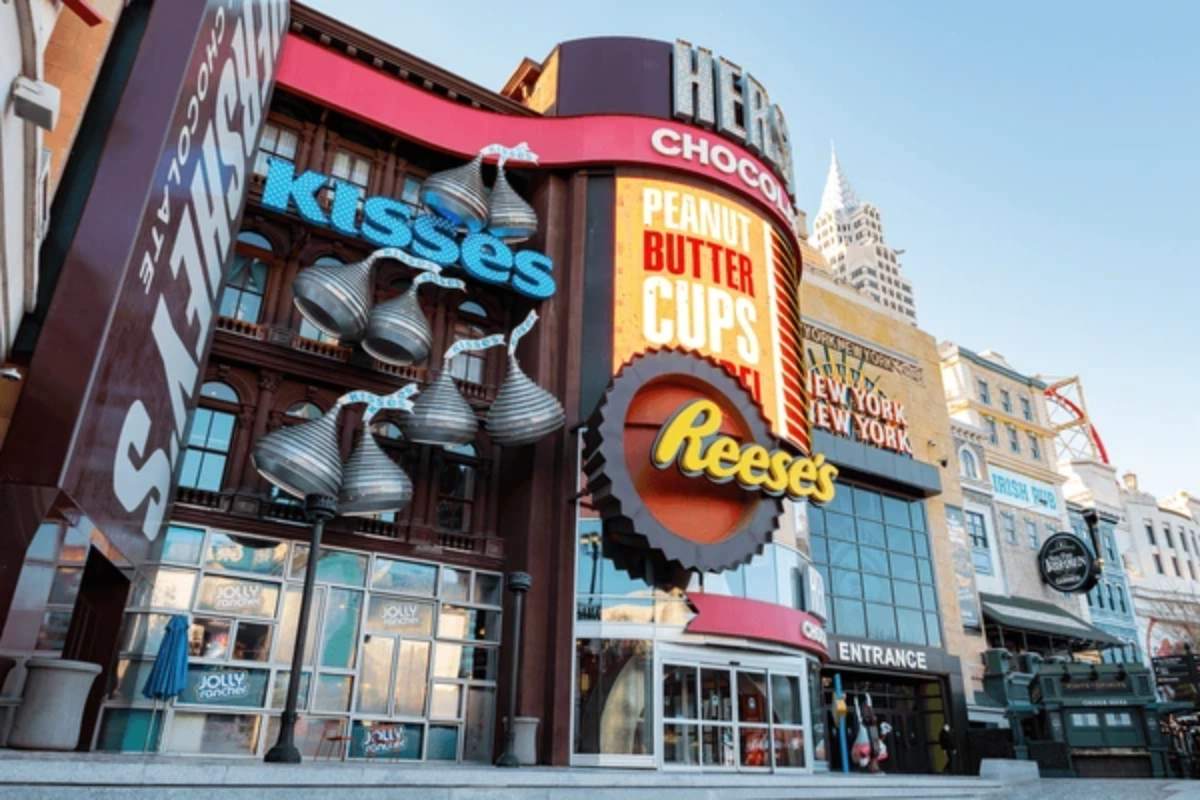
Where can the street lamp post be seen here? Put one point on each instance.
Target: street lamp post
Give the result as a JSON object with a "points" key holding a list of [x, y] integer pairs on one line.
{"points": [[518, 583], [304, 460], [318, 509]]}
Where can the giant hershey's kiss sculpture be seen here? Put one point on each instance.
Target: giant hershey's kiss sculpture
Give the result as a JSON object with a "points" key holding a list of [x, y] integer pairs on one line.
{"points": [[337, 299]]}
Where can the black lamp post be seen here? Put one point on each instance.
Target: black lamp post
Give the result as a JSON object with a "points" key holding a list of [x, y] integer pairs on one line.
{"points": [[518, 583], [318, 509]]}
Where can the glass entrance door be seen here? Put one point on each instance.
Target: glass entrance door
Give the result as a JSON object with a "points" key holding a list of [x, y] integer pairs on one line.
{"points": [[720, 717], [394, 683]]}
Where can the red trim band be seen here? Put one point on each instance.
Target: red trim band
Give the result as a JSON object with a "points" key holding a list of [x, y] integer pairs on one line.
{"points": [[723, 615], [376, 98]]}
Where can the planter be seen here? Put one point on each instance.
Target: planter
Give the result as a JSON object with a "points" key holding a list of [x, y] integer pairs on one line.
{"points": [[525, 740], [51, 711]]}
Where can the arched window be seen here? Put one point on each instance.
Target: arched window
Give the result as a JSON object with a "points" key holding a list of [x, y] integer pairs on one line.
{"points": [[456, 488], [307, 329], [216, 390], [242, 297], [305, 410], [472, 365], [968, 464]]}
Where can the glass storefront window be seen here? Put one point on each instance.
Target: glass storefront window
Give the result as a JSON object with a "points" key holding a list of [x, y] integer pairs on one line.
{"points": [[287, 627], [44, 545], [456, 585], [209, 637], [53, 633], [165, 588], [334, 566], [446, 700], [406, 577], [412, 678], [66, 585], [487, 589], [442, 744], [214, 734], [141, 634], [279, 691], [241, 636], [875, 548], [339, 640], [245, 554], [469, 623], [614, 683], [816, 709], [180, 545], [252, 642], [468, 662], [128, 730], [333, 693]]}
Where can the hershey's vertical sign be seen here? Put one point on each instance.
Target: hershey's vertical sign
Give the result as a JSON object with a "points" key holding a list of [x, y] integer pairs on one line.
{"points": [[149, 372]]}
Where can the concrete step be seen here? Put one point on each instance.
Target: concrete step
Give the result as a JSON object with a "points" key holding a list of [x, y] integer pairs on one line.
{"points": [[74, 776]]}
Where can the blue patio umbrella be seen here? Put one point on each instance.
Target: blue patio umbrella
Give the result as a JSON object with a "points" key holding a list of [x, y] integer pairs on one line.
{"points": [[169, 674]]}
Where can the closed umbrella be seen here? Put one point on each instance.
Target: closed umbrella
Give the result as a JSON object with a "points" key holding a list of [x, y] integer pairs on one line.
{"points": [[169, 674]]}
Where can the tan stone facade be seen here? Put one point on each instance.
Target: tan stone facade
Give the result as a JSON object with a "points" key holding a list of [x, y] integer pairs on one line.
{"points": [[902, 363]]}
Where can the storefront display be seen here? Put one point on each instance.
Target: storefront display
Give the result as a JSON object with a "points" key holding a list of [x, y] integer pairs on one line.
{"points": [[405, 653]]}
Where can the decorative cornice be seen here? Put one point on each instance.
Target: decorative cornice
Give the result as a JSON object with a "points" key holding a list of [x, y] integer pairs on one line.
{"points": [[355, 44]]}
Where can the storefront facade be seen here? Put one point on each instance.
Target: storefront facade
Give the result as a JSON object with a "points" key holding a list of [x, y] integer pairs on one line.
{"points": [[891, 545], [638, 660]]}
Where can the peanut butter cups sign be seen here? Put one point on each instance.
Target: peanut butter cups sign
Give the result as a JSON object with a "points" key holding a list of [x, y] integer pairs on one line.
{"points": [[680, 455]]}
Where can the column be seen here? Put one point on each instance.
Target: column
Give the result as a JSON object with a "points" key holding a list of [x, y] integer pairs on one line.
{"points": [[239, 454], [268, 384]]}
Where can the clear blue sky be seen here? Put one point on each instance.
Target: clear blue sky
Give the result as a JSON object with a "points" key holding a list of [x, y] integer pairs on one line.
{"points": [[1037, 161]]}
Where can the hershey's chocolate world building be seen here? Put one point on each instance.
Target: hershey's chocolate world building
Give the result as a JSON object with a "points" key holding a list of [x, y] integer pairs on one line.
{"points": [[209, 288]]}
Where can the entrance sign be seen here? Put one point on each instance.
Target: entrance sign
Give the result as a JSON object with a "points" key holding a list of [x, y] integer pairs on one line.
{"points": [[1067, 565], [873, 655]]}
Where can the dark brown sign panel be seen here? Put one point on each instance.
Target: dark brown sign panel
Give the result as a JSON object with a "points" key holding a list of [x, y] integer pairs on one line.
{"points": [[120, 360]]}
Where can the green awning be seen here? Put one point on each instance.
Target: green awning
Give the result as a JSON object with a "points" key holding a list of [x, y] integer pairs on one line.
{"points": [[1047, 619]]}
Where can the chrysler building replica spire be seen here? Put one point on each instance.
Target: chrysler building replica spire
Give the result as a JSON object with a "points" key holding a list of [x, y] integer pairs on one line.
{"points": [[849, 233]]}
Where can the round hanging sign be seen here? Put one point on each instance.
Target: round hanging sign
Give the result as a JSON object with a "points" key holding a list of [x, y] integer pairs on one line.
{"points": [[1067, 565]]}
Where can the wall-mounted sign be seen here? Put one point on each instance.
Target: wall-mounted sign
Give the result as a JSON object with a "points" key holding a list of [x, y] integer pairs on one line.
{"points": [[846, 355], [881, 655], [814, 593], [121, 347], [691, 439], [717, 94], [1066, 564], [1018, 490], [724, 501], [860, 412], [696, 271], [212, 685], [387, 222], [722, 615]]}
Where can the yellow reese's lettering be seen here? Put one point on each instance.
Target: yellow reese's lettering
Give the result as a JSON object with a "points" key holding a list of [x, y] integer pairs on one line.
{"points": [[682, 440]]}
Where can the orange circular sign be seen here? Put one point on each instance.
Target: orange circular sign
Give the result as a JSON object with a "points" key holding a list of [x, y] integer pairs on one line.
{"points": [[692, 518]]}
